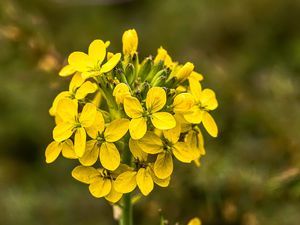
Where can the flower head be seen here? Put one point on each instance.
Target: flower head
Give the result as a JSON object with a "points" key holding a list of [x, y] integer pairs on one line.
{"points": [[160, 102]]}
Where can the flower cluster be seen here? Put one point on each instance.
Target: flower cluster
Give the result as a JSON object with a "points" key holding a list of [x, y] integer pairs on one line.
{"points": [[126, 121]]}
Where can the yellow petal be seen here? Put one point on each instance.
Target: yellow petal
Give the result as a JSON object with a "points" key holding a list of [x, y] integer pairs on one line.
{"points": [[185, 125], [196, 89], [90, 73], [67, 109], [133, 107], [109, 156], [88, 115], [52, 151], [97, 126], [136, 150], [67, 71], [163, 166], [138, 127], [76, 82], [126, 182], [210, 124], [208, 99], [163, 120], [182, 152], [195, 221], [151, 143], [100, 187], [97, 51], [156, 99], [68, 150], [85, 174], [172, 135], [121, 169], [80, 61], [86, 88], [160, 182], [113, 195], [79, 141], [144, 181], [62, 131], [183, 103], [196, 76], [91, 153], [195, 142], [64, 94], [111, 63], [116, 130], [194, 116]]}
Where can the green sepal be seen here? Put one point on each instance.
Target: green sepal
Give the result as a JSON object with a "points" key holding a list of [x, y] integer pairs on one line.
{"points": [[145, 68]]}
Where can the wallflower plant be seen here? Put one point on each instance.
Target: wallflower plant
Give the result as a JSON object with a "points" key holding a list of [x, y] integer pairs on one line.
{"points": [[125, 120]]}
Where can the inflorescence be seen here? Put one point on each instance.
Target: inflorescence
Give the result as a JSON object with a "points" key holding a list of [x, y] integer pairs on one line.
{"points": [[148, 112]]}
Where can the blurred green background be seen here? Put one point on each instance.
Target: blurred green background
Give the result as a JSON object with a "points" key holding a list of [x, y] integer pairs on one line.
{"points": [[249, 53]]}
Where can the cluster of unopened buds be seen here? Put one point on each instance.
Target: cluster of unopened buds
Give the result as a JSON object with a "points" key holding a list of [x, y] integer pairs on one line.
{"points": [[127, 120]]}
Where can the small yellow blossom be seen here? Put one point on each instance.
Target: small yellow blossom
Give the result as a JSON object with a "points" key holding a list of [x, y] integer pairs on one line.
{"points": [[102, 143], [205, 101], [155, 101], [90, 65], [165, 147], [144, 178], [54, 149], [101, 182], [73, 122], [78, 89]]}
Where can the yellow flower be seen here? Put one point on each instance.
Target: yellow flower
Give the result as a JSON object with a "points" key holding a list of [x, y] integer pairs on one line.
{"points": [[166, 146], [102, 145], [144, 178], [78, 89], [162, 55], [155, 101], [90, 64], [195, 221], [73, 122], [55, 148], [130, 42], [205, 101], [101, 182], [120, 92]]}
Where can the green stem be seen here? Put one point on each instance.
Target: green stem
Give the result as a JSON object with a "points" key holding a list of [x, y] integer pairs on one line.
{"points": [[126, 210]]}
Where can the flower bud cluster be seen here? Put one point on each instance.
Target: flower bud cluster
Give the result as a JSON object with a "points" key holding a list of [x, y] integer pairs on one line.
{"points": [[126, 121]]}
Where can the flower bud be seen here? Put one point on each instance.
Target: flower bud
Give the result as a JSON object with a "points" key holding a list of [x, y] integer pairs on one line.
{"points": [[130, 42], [185, 71], [120, 92], [162, 55]]}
